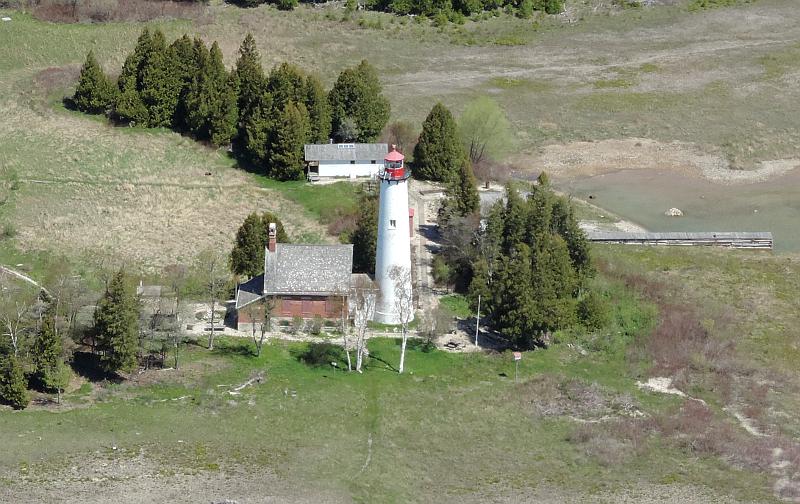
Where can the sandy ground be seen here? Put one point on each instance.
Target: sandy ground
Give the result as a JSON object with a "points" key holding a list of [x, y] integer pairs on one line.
{"points": [[588, 159]]}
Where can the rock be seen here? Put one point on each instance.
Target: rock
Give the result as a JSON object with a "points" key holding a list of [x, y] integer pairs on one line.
{"points": [[674, 212]]}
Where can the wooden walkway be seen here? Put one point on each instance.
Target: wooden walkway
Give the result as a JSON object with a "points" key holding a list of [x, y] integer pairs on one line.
{"points": [[759, 240]]}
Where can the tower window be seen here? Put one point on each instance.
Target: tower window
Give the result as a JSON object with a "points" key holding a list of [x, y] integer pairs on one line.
{"points": [[392, 224]]}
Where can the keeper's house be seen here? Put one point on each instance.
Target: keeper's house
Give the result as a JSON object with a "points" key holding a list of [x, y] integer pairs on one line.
{"points": [[298, 281], [344, 160]]}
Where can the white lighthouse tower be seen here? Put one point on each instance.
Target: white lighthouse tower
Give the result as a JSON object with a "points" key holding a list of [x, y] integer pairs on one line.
{"points": [[394, 239]]}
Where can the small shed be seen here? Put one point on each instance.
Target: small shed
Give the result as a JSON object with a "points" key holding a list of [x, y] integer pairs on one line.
{"points": [[344, 160]]}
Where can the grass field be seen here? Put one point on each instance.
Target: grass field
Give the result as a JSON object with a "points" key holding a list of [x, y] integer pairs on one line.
{"points": [[660, 88], [707, 79], [455, 427]]}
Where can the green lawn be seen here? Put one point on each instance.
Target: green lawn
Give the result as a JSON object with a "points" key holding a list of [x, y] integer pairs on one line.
{"points": [[380, 436]]}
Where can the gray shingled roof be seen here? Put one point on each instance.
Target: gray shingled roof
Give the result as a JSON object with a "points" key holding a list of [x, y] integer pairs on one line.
{"points": [[250, 291], [345, 152], [308, 269]]}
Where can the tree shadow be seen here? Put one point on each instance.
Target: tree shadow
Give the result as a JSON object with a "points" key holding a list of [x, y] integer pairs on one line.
{"points": [[386, 364], [87, 365]]}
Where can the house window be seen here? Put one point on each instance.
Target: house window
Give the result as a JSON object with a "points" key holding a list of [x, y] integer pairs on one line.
{"points": [[352, 162], [392, 224]]}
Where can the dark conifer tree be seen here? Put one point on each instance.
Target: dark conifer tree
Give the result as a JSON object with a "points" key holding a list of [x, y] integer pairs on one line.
{"points": [[13, 390], [47, 353], [212, 97], [247, 256], [319, 110], [357, 95], [286, 147], [182, 57], [258, 128], [514, 309], [439, 152], [95, 93], [116, 326], [251, 81], [129, 106], [286, 83], [365, 236], [462, 190], [161, 83]]}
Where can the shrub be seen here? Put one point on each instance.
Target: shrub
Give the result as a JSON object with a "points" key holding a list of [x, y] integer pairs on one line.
{"points": [[321, 354], [297, 324], [442, 273], [593, 311], [8, 231], [316, 325]]}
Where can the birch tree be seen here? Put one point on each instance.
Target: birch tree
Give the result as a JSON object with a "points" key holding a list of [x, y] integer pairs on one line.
{"points": [[15, 308], [266, 326], [403, 304], [363, 297], [344, 326], [211, 265]]}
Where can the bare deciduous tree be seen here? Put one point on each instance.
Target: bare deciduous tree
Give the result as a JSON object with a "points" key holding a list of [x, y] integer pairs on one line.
{"points": [[434, 323], [177, 275], [268, 305], [211, 264], [404, 304], [363, 297], [344, 325], [15, 310]]}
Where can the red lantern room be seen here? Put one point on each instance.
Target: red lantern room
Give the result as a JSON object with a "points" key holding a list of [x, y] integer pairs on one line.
{"points": [[393, 167]]}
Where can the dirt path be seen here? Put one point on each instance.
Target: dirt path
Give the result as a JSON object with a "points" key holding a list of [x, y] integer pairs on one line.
{"points": [[21, 276]]}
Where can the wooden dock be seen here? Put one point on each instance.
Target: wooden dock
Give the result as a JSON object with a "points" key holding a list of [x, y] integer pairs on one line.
{"points": [[758, 240]]}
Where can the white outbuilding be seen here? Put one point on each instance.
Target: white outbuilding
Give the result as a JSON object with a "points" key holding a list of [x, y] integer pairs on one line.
{"points": [[344, 160]]}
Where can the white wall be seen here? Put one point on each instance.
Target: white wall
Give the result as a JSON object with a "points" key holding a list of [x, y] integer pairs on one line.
{"points": [[394, 246], [363, 168]]}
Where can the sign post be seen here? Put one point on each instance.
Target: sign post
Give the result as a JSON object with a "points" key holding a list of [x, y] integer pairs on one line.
{"points": [[517, 358], [478, 320]]}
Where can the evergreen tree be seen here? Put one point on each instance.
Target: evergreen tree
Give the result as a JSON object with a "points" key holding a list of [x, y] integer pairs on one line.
{"points": [[462, 190], [286, 83], [566, 225], [280, 232], [357, 95], [116, 326], [95, 92], [189, 56], [226, 114], [160, 83], [258, 127], [251, 81], [514, 309], [286, 147], [129, 106], [247, 256], [439, 152], [319, 110], [211, 100], [13, 390], [514, 220], [365, 236], [554, 283], [47, 354]]}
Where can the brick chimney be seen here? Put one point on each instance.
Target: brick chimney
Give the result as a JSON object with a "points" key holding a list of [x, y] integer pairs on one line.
{"points": [[273, 237]]}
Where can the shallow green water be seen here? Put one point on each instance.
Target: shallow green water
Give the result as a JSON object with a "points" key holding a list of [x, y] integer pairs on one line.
{"points": [[643, 197]]}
